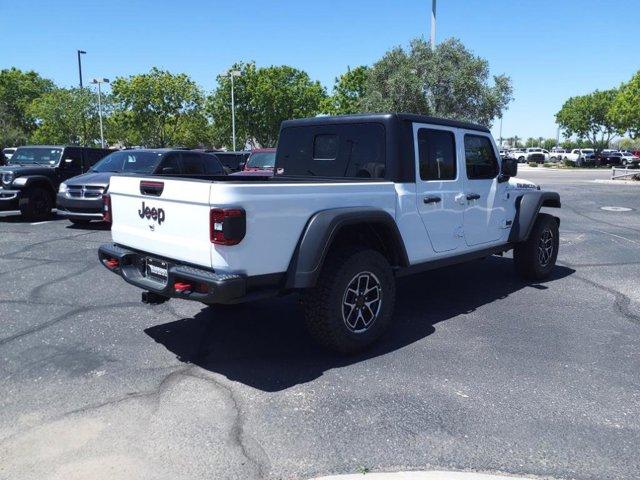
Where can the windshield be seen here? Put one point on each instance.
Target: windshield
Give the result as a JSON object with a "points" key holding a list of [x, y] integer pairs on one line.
{"points": [[128, 161], [262, 160], [36, 156]]}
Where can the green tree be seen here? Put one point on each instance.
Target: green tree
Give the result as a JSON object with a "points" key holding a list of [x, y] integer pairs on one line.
{"points": [[264, 98], [448, 82], [17, 90], [348, 91], [158, 109], [625, 111], [67, 116], [589, 117], [629, 144], [531, 142], [548, 143]]}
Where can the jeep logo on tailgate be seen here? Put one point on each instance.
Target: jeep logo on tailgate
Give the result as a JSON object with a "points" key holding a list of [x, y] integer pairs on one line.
{"points": [[156, 214]]}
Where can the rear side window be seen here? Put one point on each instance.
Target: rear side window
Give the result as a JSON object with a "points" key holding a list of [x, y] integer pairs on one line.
{"points": [[73, 154], [193, 164], [212, 164], [325, 147], [170, 164], [334, 151], [230, 160], [480, 158], [437, 153]]}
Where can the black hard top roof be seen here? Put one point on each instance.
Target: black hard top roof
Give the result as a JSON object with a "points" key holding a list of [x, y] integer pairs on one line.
{"points": [[383, 118]]}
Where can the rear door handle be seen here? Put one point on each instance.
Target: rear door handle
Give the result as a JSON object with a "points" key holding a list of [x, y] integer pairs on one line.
{"points": [[473, 196], [432, 199]]}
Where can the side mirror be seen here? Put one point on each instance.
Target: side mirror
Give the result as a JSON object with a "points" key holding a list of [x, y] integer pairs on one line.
{"points": [[168, 170], [509, 168], [241, 165]]}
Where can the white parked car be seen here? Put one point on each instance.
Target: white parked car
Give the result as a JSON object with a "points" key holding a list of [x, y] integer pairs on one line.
{"points": [[582, 156], [557, 154], [629, 159], [531, 154], [351, 206]]}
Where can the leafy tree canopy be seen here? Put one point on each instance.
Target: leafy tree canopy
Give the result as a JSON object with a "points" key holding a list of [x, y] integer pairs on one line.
{"points": [[348, 91], [67, 116], [158, 109], [17, 90], [588, 117], [448, 82], [264, 98], [625, 110]]}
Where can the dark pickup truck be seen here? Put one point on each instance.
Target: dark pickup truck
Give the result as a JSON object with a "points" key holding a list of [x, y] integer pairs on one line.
{"points": [[31, 179]]}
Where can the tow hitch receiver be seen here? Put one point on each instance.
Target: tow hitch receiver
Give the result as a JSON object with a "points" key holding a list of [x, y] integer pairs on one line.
{"points": [[153, 298]]}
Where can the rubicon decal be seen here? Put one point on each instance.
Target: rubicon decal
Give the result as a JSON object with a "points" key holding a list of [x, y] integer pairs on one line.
{"points": [[156, 214]]}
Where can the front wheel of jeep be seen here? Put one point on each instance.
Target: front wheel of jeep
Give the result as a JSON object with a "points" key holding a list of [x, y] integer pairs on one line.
{"points": [[535, 258], [352, 303]]}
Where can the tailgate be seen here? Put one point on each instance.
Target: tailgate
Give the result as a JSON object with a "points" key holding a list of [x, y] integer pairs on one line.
{"points": [[166, 217]]}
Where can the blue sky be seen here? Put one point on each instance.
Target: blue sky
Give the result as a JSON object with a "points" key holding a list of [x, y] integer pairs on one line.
{"points": [[551, 49]]}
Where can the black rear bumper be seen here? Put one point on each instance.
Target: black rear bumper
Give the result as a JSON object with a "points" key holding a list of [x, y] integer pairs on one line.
{"points": [[208, 286]]}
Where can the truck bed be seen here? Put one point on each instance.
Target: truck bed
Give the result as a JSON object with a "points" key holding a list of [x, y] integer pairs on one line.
{"points": [[277, 210]]}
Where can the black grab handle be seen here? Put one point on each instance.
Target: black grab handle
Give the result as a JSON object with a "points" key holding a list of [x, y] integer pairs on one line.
{"points": [[151, 188]]}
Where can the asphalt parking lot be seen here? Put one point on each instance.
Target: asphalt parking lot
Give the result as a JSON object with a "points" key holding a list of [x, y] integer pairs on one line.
{"points": [[481, 372]]}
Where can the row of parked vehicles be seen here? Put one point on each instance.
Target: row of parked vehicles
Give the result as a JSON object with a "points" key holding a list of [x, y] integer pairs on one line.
{"points": [[73, 179], [581, 156]]}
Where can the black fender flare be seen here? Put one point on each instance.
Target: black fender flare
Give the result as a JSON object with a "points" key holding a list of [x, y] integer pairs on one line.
{"points": [[320, 231], [528, 206], [30, 180]]}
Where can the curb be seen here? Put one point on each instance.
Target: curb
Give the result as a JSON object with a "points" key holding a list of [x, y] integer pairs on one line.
{"points": [[616, 182], [433, 475]]}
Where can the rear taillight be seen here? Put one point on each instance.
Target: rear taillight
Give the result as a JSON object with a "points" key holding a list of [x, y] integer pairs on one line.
{"points": [[106, 208], [227, 225]]}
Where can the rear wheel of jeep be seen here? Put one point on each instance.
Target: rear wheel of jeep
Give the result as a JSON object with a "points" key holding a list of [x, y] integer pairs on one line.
{"points": [[36, 203], [535, 258], [352, 303]]}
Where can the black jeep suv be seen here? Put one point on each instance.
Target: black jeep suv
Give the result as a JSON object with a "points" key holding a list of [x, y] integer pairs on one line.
{"points": [[30, 180]]}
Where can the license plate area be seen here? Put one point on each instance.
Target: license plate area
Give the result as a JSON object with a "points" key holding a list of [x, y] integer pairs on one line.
{"points": [[156, 270]]}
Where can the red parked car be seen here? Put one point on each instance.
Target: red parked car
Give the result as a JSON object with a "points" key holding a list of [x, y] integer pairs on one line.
{"points": [[261, 159]]}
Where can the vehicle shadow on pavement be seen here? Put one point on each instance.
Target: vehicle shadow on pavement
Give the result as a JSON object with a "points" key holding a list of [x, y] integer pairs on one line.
{"points": [[264, 344], [97, 226], [18, 218]]}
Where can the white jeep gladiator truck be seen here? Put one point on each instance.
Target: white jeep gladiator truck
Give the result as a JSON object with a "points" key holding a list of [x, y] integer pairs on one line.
{"points": [[354, 202]]}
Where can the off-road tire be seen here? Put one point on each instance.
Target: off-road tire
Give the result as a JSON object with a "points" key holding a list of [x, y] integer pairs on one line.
{"points": [[324, 304], [36, 203], [533, 259]]}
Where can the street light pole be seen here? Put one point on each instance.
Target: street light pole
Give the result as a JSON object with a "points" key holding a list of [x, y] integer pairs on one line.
{"points": [[98, 81], [233, 73], [80, 52], [433, 25], [84, 120]]}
